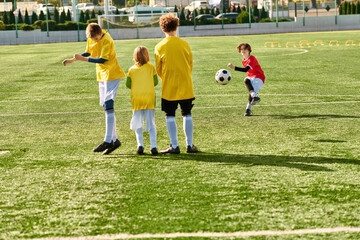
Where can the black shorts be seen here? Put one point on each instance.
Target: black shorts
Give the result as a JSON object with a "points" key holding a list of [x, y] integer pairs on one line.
{"points": [[169, 107]]}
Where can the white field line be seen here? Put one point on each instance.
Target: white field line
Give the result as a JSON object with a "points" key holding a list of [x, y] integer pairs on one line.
{"points": [[280, 104], [217, 107], [278, 94], [288, 54], [55, 99], [314, 103], [199, 95], [3, 152], [53, 113], [210, 234]]}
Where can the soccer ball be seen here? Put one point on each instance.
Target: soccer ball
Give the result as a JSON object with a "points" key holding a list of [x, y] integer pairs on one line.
{"points": [[223, 76]]}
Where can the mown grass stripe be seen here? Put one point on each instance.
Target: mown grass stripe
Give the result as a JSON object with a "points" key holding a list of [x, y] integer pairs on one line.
{"points": [[198, 95], [128, 110], [211, 234]]}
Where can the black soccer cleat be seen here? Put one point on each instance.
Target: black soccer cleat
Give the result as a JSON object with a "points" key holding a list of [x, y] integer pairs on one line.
{"points": [[192, 149], [154, 151], [255, 100], [171, 150], [247, 113], [140, 150], [102, 147], [114, 146]]}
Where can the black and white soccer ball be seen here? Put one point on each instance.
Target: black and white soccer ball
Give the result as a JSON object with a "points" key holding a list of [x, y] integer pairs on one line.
{"points": [[223, 76]]}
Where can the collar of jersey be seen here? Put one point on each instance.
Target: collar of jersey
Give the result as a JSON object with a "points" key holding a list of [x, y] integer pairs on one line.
{"points": [[247, 58]]}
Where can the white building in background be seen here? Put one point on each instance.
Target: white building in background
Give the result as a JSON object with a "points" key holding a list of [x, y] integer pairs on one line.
{"points": [[5, 6], [144, 13], [184, 3], [270, 7], [22, 6], [266, 3], [170, 3]]}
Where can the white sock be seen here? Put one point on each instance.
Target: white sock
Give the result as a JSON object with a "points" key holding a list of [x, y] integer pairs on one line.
{"points": [[172, 130], [188, 129], [248, 106], [139, 137], [152, 134], [109, 119], [253, 94], [113, 135]]}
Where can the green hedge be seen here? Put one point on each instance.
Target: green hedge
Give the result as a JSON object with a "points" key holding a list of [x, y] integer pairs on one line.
{"points": [[204, 21], [51, 23], [9, 27], [41, 24], [265, 20], [274, 20], [244, 17], [2, 25], [27, 27], [68, 25], [62, 27], [186, 23], [284, 20], [92, 20], [38, 23]]}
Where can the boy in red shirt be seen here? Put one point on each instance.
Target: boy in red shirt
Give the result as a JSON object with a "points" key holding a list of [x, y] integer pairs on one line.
{"points": [[255, 76]]}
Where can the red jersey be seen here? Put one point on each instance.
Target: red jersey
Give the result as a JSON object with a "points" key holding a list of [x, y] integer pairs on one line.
{"points": [[255, 69]]}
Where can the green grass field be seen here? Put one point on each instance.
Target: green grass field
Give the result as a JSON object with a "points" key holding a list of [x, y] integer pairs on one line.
{"points": [[293, 165]]}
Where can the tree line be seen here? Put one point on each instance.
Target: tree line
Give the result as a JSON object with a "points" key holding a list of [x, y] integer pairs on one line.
{"points": [[347, 8]]}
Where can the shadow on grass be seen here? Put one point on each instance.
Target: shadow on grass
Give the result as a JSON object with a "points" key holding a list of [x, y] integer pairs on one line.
{"points": [[329, 141], [296, 162], [301, 163]]}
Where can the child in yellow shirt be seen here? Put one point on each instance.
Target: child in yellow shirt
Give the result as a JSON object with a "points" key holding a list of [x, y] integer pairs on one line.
{"points": [[174, 64], [100, 50], [142, 79]]}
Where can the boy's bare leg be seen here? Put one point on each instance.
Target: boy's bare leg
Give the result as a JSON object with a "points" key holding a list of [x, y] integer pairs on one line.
{"points": [[250, 98], [248, 85], [255, 99]]}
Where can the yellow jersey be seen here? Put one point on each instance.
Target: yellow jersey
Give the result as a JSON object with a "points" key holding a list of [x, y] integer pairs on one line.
{"points": [[142, 86], [104, 48], [174, 63]]}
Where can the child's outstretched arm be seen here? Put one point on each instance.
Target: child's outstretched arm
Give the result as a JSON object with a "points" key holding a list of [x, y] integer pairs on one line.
{"points": [[74, 59], [231, 66], [239, 68], [68, 61], [85, 58]]}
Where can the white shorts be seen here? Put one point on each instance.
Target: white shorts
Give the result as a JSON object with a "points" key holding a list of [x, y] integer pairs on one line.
{"points": [[108, 90], [137, 120], [257, 83]]}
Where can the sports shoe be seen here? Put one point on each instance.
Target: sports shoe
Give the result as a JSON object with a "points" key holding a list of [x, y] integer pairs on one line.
{"points": [[171, 150], [102, 147], [192, 149], [140, 150], [255, 100], [114, 146], [247, 113], [154, 151]]}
